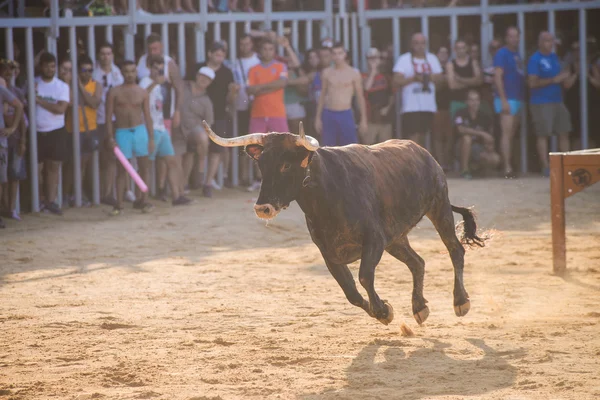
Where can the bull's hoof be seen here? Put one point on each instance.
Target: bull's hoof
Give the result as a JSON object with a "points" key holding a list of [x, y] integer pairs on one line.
{"points": [[390, 314], [462, 309], [422, 315]]}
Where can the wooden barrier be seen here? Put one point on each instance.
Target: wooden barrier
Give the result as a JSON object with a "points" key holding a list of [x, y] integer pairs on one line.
{"points": [[570, 173]]}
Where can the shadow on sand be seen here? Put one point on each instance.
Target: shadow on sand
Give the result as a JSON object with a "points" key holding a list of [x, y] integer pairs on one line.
{"points": [[425, 372]]}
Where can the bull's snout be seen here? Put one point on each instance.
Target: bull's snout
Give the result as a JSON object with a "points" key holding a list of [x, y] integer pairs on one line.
{"points": [[265, 211]]}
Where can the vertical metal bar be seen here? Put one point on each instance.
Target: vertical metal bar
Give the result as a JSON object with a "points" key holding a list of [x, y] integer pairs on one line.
{"points": [[54, 15], [295, 36], [328, 19], [181, 48], [217, 31], [425, 29], [523, 137], [109, 34], [95, 156], [557, 209], [235, 160], [366, 33], [583, 73], [11, 9], [75, 114], [398, 94], [552, 29], [453, 33], [268, 4], [147, 32], [164, 34], [33, 159], [486, 32], [346, 22], [280, 49], [130, 31], [337, 28], [309, 34], [355, 45], [9, 43], [247, 27]]}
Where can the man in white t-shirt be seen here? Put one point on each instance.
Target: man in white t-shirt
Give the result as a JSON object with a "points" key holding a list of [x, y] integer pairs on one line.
{"points": [[163, 147], [109, 76], [416, 73], [52, 99]]}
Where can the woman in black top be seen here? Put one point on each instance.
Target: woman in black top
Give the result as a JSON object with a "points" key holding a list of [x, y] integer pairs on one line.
{"points": [[442, 125], [464, 73]]}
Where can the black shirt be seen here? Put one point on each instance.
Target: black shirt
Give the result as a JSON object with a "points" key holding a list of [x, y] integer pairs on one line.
{"points": [[482, 122], [217, 91]]}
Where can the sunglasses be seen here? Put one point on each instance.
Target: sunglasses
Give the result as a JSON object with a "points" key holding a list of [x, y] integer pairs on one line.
{"points": [[86, 70]]}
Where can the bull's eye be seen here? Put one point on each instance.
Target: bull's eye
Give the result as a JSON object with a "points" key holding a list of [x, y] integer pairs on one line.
{"points": [[285, 167]]}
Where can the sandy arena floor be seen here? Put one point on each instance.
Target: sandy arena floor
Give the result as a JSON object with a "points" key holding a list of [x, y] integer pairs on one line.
{"points": [[208, 302]]}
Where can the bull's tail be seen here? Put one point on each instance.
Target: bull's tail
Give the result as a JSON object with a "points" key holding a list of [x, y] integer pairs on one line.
{"points": [[468, 227]]}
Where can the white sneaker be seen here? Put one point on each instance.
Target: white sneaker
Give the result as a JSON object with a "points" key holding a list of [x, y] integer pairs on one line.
{"points": [[215, 185], [142, 13], [130, 196], [254, 187]]}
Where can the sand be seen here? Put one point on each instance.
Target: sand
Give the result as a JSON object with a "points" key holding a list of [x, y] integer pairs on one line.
{"points": [[208, 302]]}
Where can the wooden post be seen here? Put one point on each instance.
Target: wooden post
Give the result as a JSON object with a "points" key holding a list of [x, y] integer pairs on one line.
{"points": [[557, 207]]}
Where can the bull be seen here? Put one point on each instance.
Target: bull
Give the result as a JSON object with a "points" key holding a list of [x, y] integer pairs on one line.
{"points": [[360, 201]]}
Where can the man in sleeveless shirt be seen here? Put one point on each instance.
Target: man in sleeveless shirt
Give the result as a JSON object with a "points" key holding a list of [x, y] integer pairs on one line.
{"points": [[464, 73]]}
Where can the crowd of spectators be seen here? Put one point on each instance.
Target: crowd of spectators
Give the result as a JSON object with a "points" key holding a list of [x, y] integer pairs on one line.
{"points": [[152, 113]]}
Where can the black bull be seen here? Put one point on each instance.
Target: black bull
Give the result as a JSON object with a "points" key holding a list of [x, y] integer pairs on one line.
{"points": [[360, 201]]}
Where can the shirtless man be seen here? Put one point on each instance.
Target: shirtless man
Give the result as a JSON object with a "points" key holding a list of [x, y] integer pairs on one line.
{"points": [[335, 119], [134, 134]]}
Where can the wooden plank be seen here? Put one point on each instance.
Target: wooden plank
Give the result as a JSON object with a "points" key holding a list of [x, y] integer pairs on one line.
{"points": [[578, 177], [557, 207], [589, 159]]}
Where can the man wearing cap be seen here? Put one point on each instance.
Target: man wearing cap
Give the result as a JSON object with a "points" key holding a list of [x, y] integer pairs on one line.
{"points": [[379, 99], [223, 93], [163, 147], [335, 118]]}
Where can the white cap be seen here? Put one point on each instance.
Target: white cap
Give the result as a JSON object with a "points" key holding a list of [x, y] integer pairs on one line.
{"points": [[207, 71]]}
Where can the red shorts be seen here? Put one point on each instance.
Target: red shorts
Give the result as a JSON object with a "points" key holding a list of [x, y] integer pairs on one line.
{"points": [[266, 125]]}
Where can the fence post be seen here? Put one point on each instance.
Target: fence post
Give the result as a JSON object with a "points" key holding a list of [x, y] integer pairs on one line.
{"points": [[583, 72], [130, 31], [552, 30], [75, 114], [31, 93], [95, 157], [523, 137], [235, 158]]}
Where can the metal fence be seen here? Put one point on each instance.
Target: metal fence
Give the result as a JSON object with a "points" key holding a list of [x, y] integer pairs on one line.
{"points": [[354, 29]]}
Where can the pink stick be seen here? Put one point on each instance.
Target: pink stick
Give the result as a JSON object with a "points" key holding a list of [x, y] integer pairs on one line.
{"points": [[130, 170]]}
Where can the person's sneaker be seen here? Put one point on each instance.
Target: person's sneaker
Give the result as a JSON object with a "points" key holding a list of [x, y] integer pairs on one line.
{"points": [[546, 172], [207, 190], [181, 201], [145, 207], [54, 209], [254, 187], [15, 215], [115, 212], [215, 185], [130, 196], [466, 175]]}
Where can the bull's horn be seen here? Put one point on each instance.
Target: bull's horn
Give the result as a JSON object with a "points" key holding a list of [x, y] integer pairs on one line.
{"points": [[253, 138], [310, 143]]}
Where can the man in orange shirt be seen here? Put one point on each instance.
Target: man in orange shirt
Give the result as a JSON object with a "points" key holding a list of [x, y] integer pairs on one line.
{"points": [[266, 82]]}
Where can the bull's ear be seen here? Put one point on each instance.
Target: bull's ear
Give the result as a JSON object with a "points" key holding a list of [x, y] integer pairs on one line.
{"points": [[254, 151], [306, 160]]}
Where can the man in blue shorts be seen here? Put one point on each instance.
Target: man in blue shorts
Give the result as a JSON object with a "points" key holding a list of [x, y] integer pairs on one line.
{"points": [[163, 146], [509, 79], [134, 133]]}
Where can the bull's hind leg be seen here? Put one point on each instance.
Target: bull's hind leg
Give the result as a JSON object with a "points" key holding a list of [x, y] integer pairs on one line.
{"points": [[402, 251], [370, 257], [443, 220], [344, 278]]}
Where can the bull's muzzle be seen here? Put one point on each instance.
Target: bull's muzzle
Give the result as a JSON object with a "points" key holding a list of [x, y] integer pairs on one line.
{"points": [[265, 211]]}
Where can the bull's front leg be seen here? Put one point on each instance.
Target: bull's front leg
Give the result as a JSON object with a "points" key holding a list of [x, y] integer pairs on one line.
{"points": [[370, 257], [344, 278]]}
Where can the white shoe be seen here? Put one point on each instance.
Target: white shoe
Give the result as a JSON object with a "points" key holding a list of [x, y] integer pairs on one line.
{"points": [[130, 196], [255, 186], [142, 13], [215, 185]]}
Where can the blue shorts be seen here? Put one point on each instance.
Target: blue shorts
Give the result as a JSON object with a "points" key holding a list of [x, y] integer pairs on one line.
{"points": [[163, 146], [515, 106], [133, 142], [339, 128]]}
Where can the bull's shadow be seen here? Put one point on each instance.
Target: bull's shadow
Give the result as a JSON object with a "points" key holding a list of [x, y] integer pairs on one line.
{"points": [[423, 373]]}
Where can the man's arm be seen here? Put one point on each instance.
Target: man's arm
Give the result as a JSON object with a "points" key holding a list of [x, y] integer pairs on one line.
{"points": [[301, 80], [110, 101], [360, 97], [148, 121], [293, 60], [498, 81], [266, 88], [59, 108], [18, 106], [463, 130], [177, 82], [475, 80], [400, 80], [91, 100]]}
